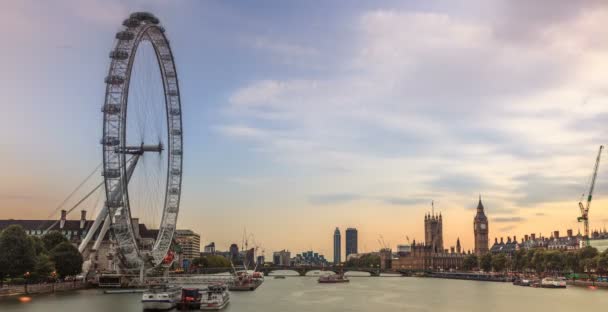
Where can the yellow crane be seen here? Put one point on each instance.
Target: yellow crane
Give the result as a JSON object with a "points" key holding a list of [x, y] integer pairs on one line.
{"points": [[585, 209]]}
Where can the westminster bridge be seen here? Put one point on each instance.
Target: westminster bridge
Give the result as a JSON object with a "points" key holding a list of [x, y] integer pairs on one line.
{"points": [[303, 270]]}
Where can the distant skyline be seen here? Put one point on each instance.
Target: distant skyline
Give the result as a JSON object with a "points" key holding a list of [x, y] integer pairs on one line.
{"points": [[300, 117]]}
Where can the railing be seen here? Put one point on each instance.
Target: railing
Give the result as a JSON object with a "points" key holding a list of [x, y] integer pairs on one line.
{"points": [[8, 290]]}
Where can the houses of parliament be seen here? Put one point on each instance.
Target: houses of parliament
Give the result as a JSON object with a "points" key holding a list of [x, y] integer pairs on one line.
{"points": [[431, 253]]}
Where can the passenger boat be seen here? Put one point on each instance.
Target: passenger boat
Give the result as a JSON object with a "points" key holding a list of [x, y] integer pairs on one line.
{"points": [[191, 299], [243, 281], [216, 297], [551, 282], [333, 279], [279, 277], [161, 297], [522, 282]]}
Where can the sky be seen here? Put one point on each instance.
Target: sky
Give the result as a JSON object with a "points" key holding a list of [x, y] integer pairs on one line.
{"points": [[300, 117]]}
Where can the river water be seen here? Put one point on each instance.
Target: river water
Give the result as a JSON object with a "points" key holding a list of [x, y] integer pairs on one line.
{"points": [[361, 294]]}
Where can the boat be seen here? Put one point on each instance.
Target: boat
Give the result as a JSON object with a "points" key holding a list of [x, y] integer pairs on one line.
{"points": [[215, 297], [551, 282], [333, 279], [243, 281], [161, 297], [191, 299], [279, 277], [522, 282]]}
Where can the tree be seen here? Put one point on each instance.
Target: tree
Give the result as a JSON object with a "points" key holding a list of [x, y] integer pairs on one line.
{"points": [[52, 239], [365, 261], [529, 265], [572, 262], [554, 261], [485, 263], [44, 267], [519, 260], [602, 263], [538, 261], [17, 253], [216, 261], [38, 245], [588, 252], [68, 261], [499, 262], [470, 262], [200, 262]]}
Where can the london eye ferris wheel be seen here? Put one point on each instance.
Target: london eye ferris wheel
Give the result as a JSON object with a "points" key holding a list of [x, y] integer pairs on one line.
{"points": [[142, 142]]}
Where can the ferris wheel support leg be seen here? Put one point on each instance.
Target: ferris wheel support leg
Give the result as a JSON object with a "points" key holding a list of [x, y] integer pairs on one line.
{"points": [[101, 216], [141, 274], [103, 232]]}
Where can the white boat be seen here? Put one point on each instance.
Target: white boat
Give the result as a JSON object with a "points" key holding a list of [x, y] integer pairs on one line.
{"points": [[216, 297], [550, 282], [161, 298]]}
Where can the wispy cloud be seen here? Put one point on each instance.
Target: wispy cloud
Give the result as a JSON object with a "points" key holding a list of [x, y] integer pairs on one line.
{"points": [[508, 219], [327, 199], [403, 201]]}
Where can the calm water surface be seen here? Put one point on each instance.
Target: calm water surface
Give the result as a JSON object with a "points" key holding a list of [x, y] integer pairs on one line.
{"points": [[361, 294]]}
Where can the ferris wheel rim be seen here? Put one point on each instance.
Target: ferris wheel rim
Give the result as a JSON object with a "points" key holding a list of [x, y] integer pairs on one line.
{"points": [[139, 27]]}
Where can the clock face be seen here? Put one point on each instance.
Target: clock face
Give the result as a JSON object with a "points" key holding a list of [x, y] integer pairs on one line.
{"points": [[483, 226]]}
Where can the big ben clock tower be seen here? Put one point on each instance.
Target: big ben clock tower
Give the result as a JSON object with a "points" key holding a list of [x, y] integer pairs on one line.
{"points": [[480, 228]]}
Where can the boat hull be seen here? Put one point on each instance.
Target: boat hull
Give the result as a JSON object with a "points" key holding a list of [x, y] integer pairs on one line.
{"points": [[158, 304], [334, 282], [213, 307]]}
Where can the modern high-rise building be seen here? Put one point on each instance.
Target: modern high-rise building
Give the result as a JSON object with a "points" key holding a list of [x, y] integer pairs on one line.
{"points": [[282, 258], [210, 249], [351, 241], [190, 243], [234, 252], [337, 247], [480, 229]]}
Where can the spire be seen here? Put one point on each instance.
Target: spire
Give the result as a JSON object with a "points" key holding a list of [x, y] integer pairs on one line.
{"points": [[480, 205]]}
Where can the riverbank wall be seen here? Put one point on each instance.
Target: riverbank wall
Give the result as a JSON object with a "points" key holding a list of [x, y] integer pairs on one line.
{"points": [[28, 289], [581, 283]]}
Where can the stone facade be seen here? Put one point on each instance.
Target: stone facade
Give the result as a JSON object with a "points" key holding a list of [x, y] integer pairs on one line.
{"points": [[481, 230], [433, 232]]}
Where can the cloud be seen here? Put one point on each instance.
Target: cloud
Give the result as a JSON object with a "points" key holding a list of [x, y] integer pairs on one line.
{"points": [[540, 214], [539, 188], [508, 219], [443, 103], [400, 201], [506, 228], [328, 199]]}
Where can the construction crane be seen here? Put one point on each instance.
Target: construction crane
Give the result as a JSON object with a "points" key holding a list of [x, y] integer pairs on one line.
{"points": [[585, 209]]}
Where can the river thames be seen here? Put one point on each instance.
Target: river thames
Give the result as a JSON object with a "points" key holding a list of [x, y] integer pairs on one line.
{"points": [[361, 294]]}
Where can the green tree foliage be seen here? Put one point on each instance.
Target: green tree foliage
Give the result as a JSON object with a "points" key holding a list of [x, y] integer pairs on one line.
{"points": [[572, 262], [38, 245], [602, 263], [67, 259], [365, 261], [588, 252], [17, 252], [43, 268], [499, 262], [538, 261], [215, 261], [200, 262], [52, 239], [470, 262], [519, 260], [485, 262], [554, 261]]}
